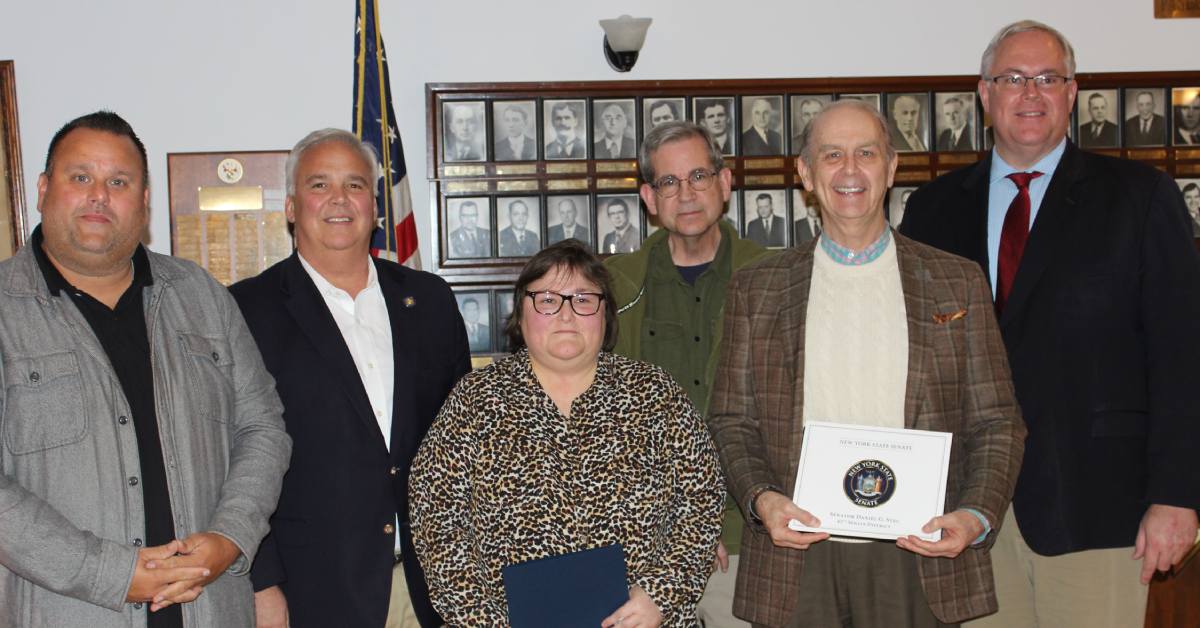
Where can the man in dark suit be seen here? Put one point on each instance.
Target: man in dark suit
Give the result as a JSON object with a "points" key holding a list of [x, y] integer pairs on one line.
{"points": [[364, 352], [1099, 133], [1187, 131], [479, 335], [905, 127], [463, 142], [957, 136], [615, 141], [768, 229], [517, 144], [569, 227], [805, 227], [1146, 128], [801, 345], [516, 240], [714, 116], [470, 240], [1097, 285], [624, 238], [760, 138], [566, 143]]}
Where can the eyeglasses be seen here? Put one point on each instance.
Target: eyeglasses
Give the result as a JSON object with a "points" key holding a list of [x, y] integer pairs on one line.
{"points": [[699, 180], [1015, 82], [549, 303]]}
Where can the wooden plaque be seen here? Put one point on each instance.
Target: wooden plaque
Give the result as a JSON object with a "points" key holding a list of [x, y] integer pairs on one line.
{"points": [[12, 183]]}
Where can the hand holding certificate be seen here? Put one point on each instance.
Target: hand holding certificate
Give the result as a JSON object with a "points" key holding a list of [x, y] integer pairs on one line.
{"points": [[874, 482]]}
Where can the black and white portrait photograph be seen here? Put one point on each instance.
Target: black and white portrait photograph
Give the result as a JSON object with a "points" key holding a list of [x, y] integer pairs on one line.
{"points": [[476, 310], [1096, 111], [518, 228], [954, 121], [1145, 116], [565, 127], [870, 99], [897, 201], [504, 309], [766, 217], [762, 125], [806, 221], [907, 116], [463, 131], [717, 114], [614, 128], [733, 211], [514, 130], [1190, 188], [1185, 102], [468, 221], [617, 217], [567, 216], [804, 107], [655, 111]]}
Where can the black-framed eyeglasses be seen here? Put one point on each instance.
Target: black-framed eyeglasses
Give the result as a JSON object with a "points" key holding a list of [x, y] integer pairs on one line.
{"points": [[549, 303], [699, 180], [1014, 81]]}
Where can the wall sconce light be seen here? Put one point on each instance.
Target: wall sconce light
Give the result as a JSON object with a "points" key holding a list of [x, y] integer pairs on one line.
{"points": [[623, 39]]}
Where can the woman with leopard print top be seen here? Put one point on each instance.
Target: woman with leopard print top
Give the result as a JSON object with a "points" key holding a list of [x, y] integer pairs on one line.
{"points": [[563, 447]]}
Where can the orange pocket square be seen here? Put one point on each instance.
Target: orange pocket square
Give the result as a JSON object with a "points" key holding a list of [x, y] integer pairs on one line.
{"points": [[942, 319]]}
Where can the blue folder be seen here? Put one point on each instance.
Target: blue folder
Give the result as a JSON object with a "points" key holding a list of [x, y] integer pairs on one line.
{"points": [[571, 590]]}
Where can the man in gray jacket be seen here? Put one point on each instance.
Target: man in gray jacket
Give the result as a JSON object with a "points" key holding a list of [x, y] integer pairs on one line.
{"points": [[143, 446]]}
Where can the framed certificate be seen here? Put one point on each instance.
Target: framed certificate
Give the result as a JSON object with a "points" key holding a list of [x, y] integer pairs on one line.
{"points": [[875, 482]]}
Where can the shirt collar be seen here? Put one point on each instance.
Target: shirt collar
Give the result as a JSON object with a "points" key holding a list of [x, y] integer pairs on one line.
{"points": [[1046, 165], [55, 282], [326, 288]]}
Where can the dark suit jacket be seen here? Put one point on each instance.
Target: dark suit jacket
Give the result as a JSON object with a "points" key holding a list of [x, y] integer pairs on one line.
{"points": [[474, 152], [900, 143], [958, 382], [509, 247], [1107, 138], [1156, 137], [327, 547], [753, 144], [570, 150], [1103, 332], [615, 242], [945, 143], [461, 244], [1180, 140], [555, 234], [756, 232], [600, 148], [504, 151], [801, 232]]}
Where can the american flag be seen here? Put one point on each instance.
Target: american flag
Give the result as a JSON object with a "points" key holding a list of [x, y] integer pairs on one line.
{"points": [[375, 123]]}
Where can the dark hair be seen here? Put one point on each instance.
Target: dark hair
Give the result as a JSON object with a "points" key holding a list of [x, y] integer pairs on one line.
{"points": [[569, 255], [108, 122]]}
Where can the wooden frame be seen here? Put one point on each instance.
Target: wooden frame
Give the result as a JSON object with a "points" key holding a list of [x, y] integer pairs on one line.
{"points": [[1176, 8], [595, 176], [12, 196]]}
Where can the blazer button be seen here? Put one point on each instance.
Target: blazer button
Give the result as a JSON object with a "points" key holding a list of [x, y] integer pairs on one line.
{"points": [[133, 481], [137, 542], [35, 377], [122, 419], [137, 606], [216, 357], [389, 529], [393, 470]]}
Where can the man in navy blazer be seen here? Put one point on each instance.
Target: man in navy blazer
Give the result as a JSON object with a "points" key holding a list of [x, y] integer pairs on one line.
{"points": [[364, 352], [1102, 329]]}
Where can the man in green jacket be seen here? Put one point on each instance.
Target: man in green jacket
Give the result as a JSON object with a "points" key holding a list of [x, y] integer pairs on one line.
{"points": [[671, 293]]}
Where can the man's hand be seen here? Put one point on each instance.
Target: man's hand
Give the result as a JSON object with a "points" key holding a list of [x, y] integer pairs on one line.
{"points": [[1164, 538], [776, 510], [639, 612], [148, 581], [208, 550], [959, 529], [270, 608], [722, 560]]}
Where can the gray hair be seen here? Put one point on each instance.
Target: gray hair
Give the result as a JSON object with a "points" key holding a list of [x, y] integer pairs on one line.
{"points": [[675, 131], [1024, 26], [316, 138], [807, 134]]}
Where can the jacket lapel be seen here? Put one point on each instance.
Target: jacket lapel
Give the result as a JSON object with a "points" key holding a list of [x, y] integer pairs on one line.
{"points": [[314, 320], [400, 307], [1058, 205], [973, 219], [793, 320], [914, 281]]}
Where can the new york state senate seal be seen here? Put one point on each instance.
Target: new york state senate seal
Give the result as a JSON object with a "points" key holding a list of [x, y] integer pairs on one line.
{"points": [[869, 483]]}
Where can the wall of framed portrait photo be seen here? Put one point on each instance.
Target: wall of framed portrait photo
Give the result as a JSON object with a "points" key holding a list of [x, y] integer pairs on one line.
{"points": [[12, 187], [518, 166]]}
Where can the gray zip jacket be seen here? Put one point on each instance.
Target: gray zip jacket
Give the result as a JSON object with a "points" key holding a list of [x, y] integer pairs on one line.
{"points": [[71, 512]]}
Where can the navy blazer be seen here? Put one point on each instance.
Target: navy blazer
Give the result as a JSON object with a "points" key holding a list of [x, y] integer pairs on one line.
{"points": [[328, 548], [1103, 334]]}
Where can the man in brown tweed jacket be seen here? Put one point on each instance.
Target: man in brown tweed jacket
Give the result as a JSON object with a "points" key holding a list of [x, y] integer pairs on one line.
{"points": [[869, 327]]}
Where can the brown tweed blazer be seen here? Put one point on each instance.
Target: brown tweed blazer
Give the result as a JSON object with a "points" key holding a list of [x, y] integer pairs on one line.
{"points": [[958, 381]]}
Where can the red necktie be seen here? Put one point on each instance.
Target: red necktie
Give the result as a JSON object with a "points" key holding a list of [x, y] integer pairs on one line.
{"points": [[1013, 237]]}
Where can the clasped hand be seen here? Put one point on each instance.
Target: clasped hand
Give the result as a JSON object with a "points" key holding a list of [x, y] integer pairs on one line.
{"points": [[177, 572]]}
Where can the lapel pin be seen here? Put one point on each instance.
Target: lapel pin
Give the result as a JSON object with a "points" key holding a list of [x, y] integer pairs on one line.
{"points": [[409, 302]]}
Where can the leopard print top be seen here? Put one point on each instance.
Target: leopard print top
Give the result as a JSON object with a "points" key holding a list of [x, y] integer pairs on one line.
{"points": [[504, 478]]}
